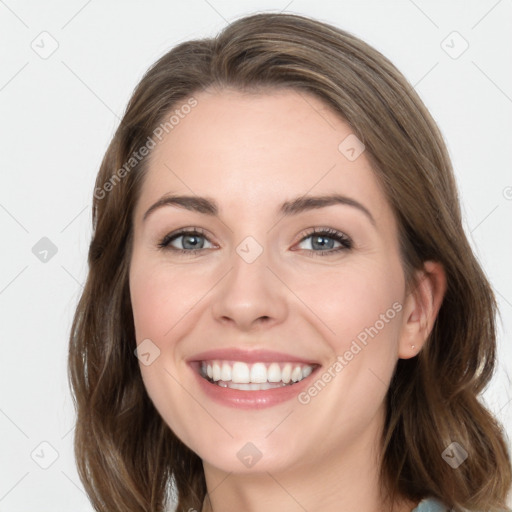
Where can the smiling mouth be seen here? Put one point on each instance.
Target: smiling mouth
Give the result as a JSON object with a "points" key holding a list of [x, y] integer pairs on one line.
{"points": [[254, 376]]}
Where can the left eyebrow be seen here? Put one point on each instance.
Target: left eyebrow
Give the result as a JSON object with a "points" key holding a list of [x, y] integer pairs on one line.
{"points": [[304, 203], [295, 206]]}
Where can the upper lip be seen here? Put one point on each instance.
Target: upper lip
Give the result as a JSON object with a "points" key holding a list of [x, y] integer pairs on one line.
{"points": [[248, 356]]}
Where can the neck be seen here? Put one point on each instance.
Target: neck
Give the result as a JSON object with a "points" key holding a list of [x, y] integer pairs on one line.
{"points": [[328, 482]]}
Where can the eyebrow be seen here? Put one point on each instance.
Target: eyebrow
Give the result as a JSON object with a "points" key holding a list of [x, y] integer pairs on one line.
{"points": [[298, 205]]}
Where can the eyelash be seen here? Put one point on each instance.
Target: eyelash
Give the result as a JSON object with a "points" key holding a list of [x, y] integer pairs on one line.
{"points": [[344, 240]]}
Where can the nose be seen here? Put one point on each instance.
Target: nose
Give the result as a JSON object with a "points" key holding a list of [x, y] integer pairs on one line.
{"points": [[250, 296]]}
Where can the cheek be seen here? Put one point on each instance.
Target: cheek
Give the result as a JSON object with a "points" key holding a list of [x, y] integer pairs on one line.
{"points": [[163, 296], [161, 300], [362, 307], [150, 299], [355, 301]]}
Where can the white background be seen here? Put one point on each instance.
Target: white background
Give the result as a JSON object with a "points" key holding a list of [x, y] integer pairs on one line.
{"points": [[58, 115]]}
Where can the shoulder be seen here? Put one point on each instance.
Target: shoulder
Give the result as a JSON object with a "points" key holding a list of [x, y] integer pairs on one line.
{"points": [[431, 505], [434, 505]]}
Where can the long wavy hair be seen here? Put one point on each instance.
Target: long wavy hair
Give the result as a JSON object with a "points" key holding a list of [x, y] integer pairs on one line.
{"points": [[127, 457]]}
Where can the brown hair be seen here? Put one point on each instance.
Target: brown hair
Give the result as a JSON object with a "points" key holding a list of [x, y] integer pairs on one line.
{"points": [[127, 456]]}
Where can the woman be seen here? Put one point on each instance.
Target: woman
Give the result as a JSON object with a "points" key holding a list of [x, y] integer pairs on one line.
{"points": [[268, 378]]}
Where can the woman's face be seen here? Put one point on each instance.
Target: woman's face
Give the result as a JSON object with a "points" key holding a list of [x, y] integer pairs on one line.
{"points": [[271, 285]]}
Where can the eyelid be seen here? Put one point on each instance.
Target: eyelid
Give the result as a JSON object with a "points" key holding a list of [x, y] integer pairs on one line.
{"points": [[169, 237], [323, 230], [343, 239]]}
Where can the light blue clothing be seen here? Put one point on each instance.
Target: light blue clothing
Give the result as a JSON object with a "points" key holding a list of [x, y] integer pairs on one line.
{"points": [[431, 505]]}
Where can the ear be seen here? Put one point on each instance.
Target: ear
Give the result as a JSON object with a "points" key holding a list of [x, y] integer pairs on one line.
{"points": [[421, 308]]}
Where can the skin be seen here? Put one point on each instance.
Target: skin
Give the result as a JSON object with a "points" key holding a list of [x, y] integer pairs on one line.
{"points": [[250, 153]]}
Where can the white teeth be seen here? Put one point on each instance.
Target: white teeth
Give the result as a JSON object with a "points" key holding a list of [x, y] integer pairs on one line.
{"points": [[258, 373], [286, 373], [216, 371], [274, 373], [253, 387], [239, 375], [306, 371], [296, 374], [225, 373]]}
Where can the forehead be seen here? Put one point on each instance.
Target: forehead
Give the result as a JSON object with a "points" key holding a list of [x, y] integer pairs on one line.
{"points": [[258, 149]]}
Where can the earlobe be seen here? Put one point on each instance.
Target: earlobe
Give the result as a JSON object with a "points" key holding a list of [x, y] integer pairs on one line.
{"points": [[421, 308]]}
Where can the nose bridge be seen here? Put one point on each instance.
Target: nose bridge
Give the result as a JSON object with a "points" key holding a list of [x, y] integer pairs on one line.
{"points": [[250, 292]]}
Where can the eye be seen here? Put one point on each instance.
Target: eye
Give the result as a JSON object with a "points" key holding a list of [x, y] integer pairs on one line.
{"points": [[322, 241], [191, 241]]}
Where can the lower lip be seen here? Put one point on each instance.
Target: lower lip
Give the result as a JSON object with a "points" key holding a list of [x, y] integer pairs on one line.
{"points": [[241, 399]]}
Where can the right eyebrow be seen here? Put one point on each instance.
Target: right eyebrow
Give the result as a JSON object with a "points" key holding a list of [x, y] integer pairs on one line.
{"points": [[192, 203]]}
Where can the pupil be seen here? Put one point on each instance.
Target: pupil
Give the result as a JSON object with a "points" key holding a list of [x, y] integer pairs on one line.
{"points": [[193, 245], [320, 241]]}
